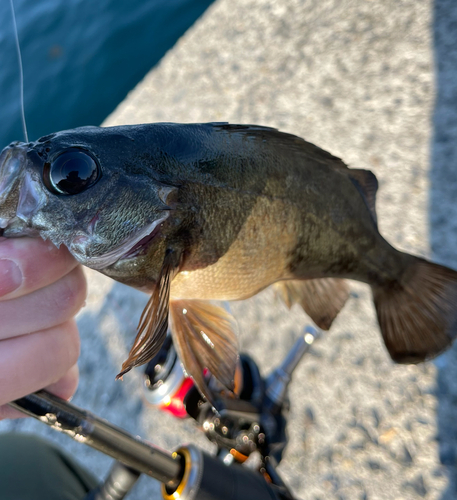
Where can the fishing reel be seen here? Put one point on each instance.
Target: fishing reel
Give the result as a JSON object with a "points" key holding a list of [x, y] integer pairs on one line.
{"points": [[249, 432], [249, 428], [235, 426]]}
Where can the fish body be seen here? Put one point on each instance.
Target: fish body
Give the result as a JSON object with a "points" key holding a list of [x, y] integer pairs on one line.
{"points": [[196, 212]]}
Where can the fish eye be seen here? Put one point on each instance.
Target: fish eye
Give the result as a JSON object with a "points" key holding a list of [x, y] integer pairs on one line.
{"points": [[71, 172]]}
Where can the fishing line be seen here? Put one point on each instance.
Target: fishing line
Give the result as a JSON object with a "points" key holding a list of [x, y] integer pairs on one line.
{"points": [[21, 73]]}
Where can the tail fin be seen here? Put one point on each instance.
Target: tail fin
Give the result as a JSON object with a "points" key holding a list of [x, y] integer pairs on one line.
{"points": [[418, 314]]}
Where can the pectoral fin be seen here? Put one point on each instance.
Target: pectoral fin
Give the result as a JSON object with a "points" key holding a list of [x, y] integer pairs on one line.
{"points": [[205, 336], [153, 324], [322, 299]]}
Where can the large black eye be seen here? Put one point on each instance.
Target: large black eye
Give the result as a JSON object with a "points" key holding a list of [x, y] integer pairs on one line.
{"points": [[71, 172]]}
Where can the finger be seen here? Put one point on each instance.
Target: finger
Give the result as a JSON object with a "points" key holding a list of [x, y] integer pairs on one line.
{"points": [[27, 264], [67, 385], [31, 362], [64, 388], [7, 412], [45, 308]]}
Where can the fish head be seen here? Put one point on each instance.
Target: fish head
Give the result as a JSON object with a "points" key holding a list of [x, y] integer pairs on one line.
{"points": [[78, 188]]}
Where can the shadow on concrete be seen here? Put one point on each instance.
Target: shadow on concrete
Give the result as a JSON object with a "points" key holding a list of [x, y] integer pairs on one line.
{"points": [[443, 216]]}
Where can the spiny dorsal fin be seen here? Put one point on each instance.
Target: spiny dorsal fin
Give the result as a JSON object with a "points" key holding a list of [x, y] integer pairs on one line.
{"points": [[322, 299], [366, 182], [153, 324], [205, 336], [283, 139]]}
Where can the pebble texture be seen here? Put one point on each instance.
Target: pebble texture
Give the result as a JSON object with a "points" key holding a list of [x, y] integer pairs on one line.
{"points": [[374, 83]]}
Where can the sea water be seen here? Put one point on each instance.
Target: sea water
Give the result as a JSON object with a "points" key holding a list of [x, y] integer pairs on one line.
{"points": [[81, 57]]}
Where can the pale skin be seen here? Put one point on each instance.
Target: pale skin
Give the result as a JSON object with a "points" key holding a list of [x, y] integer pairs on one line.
{"points": [[39, 340]]}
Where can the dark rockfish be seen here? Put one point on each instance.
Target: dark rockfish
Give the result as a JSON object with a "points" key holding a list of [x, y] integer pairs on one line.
{"points": [[191, 213]]}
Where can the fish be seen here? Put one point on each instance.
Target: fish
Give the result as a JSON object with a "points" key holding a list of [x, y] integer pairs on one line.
{"points": [[197, 213]]}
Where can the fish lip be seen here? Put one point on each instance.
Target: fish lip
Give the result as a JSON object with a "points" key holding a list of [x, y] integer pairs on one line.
{"points": [[12, 160], [118, 253], [16, 182], [31, 200]]}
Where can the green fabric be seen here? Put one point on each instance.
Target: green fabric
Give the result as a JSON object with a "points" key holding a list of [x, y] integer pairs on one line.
{"points": [[33, 469]]}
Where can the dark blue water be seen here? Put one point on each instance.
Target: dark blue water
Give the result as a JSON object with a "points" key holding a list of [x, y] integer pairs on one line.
{"points": [[81, 57]]}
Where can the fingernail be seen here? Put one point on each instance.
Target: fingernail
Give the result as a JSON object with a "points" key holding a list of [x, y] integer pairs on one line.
{"points": [[10, 276]]}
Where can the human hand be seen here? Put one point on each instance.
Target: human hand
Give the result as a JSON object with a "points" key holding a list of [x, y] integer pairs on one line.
{"points": [[39, 340]]}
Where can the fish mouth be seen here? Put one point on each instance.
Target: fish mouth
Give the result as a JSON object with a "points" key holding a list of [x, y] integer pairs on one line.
{"points": [[12, 161], [19, 196], [130, 248]]}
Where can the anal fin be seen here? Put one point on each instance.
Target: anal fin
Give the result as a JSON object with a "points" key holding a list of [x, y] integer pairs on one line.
{"points": [[322, 298], [205, 336]]}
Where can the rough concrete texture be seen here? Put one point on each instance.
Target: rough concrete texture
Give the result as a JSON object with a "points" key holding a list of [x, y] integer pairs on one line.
{"points": [[374, 83]]}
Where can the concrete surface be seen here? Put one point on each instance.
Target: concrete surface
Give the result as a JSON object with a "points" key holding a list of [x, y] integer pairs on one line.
{"points": [[373, 82]]}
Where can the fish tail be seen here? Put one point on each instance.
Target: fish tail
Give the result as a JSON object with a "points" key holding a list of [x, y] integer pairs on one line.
{"points": [[418, 313]]}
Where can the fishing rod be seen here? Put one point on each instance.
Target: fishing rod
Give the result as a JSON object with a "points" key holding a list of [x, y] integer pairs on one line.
{"points": [[249, 432], [185, 474]]}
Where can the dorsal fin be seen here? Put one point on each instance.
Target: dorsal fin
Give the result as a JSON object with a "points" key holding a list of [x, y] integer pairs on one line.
{"points": [[279, 139], [365, 181]]}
